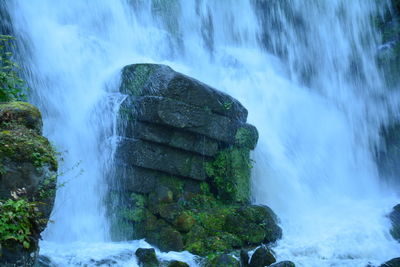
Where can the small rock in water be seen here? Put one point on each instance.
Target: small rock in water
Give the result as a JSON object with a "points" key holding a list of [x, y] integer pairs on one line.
{"points": [[147, 257], [283, 264], [43, 261], [224, 260], [392, 263], [395, 219], [244, 258], [103, 262], [262, 257], [178, 264]]}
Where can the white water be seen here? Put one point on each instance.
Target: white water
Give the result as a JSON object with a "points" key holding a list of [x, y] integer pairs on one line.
{"points": [[304, 70]]}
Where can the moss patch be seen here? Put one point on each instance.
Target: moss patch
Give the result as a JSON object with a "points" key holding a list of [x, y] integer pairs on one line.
{"points": [[20, 144], [230, 174]]}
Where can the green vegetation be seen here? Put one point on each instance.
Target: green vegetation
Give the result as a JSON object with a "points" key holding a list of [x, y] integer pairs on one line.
{"points": [[19, 221], [25, 145], [12, 87], [230, 173]]}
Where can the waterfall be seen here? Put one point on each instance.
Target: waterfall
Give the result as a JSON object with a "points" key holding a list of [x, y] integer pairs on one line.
{"points": [[304, 69]]}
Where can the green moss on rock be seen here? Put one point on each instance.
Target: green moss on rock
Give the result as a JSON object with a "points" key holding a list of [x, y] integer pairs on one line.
{"points": [[246, 136], [20, 144], [230, 173], [20, 113]]}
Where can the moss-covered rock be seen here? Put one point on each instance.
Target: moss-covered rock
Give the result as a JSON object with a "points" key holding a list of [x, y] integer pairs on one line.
{"points": [[20, 113], [262, 257], [230, 173], [185, 149], [223, 260], [178, 264], [147, 257], [26, 160], [28, 173]]}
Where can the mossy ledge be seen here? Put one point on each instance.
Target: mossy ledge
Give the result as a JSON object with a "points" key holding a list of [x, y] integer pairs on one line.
{"points": [[182, 180], [28, 173]]}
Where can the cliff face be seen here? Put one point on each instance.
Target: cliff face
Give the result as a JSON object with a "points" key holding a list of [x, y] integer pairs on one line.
{"points": [[183, 166], [28, 172]]}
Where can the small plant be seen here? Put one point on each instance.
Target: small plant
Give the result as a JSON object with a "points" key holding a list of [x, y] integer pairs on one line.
{"points": [[12, 87], [19, 219]]}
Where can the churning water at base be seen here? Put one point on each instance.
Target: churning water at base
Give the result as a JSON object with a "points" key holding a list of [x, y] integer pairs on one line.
{"points": [[304, 69]]}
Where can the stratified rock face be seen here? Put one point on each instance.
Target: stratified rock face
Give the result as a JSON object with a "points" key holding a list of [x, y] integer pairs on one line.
{"points": [[27, 165], [389, 156], [392, 263], [183, 166], [395, 219]]}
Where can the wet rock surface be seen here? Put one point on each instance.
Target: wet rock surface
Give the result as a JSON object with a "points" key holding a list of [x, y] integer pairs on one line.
{"points": [[182, 180], [28, 173]]}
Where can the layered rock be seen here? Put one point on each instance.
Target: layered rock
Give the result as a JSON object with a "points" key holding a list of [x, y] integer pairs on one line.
{"points": [[389, 154], [394, 217], [183, 166], [28, 170]]}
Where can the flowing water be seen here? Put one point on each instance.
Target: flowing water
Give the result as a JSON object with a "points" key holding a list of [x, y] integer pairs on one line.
{"points": [[304, 69]]}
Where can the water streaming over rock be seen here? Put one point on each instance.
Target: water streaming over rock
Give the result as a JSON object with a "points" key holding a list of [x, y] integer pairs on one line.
{"points": [[304, 69]]}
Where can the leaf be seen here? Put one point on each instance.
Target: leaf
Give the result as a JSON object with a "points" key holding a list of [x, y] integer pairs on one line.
{"points": [[26, 244]]}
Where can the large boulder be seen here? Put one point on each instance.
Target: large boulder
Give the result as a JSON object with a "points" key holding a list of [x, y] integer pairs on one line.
{"points": [[28, 172], [183, 166]]}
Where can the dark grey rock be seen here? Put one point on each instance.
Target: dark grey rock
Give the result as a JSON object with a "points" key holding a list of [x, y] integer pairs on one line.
{"points": [[43, 261], [244, 258], [283, 264], [182, 116], [161, 80], [262, 257], [224, 260], [173, 137], [152, 156], [135, 179], [392, 263], [395, 219], [147, 257], [178, 264]]}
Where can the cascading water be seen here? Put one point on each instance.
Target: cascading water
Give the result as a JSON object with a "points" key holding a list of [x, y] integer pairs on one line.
{"points": [[305, 70]]}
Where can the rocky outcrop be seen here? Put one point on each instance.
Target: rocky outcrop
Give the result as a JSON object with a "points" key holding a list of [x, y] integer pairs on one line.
{"points": [[388, 56], [389, 154], [28, 171], [182, 180], [392, 263], [395, 219]]}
